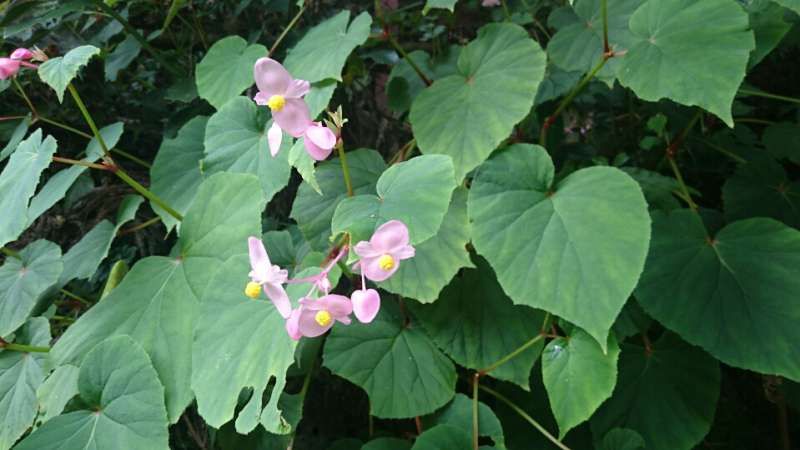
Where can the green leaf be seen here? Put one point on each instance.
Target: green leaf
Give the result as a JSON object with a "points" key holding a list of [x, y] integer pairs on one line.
{"points": [[227, 69], [443, 436], [439, 4], [122, 56], [769, 28], [477, 325], [677, 42], [714, 290], [416, 192], [578, 377], [324, 49], [578, 47], [794, 5], [404, 84], [176, 173], [158, 302], [782, 140], [437, 259], [124, 404], [56, 391], [659, 190], [319, 96], [57, 186], [556, 83], [760, 188], [387, 443], [83, 258], [622, 439], [20, 375], [314, 212], [59, 72], [23, 280], [468, 114], [236, 141], [16, 137], [304, 163], [459, 413], [668, 395], [18, 182], [389, 360], [239, 343], [569, 248]]}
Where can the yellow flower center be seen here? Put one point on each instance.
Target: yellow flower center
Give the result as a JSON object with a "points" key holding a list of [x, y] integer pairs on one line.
{"points": [[323, 318], [276, 102], [386, 262], [252, 290]]}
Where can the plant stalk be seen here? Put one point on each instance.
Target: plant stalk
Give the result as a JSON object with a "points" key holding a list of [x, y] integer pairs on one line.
{"points": [[286, 30], [345, 168], [770, 96]]}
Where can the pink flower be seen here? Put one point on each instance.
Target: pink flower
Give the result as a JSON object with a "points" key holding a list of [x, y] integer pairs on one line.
{"points": [[267, 276], [314, 317], [366, 303], [490, 3], [284, 96], [381, 256], [8, 68], [319, 141], [22, 54]]}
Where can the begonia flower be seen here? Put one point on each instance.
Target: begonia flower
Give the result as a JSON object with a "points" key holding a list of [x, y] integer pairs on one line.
{"points": [[8, 68], [319, 141], [381, 256], [267, 276], [283, 94], [366, 304], [21, 54], [314, 317]]}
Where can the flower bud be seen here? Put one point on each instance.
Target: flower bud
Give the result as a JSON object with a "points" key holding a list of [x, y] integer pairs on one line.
{"points": [[8, 68], [22, 54]]}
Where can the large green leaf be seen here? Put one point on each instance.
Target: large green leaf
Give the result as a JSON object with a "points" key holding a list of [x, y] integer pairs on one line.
{"points": [[713, 290], [678, 42], [18, 182], [236, 141], [794, 5], [124, 404], [23, 280], [443, 436], [83, 258], [578, 377], [579, 45], [122, 56], [437, 259], [667, 394], [459, 413], [324, 49], [175, 174], [227, 69], [56, 391], [769, 26], [59, 72], [158, 302], [569, 248], [16, 137], [477, 325], [760, 188], [239, 343], [314, 212], [468, 114], [416, 192], [390, 360], [20, 375], [621, 439]]}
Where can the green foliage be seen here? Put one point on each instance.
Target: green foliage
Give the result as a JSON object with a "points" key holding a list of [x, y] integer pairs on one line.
{"points": [[227, 69], [59, 72]]}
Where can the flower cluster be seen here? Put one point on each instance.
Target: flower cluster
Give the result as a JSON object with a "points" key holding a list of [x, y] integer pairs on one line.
{"points": [[19, 58], [283, 94], [379, 259]]}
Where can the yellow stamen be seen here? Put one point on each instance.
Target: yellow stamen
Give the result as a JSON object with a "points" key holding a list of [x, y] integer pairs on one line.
{"points": [[386, 262], [323, 318], [252, 290], [276, 102]]}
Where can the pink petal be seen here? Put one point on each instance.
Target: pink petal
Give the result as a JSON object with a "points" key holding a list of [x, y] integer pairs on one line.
{"points": [[293, 325], [373, 271], [366, 304], [274, 138], [279, 298], [404, 253], [271, 78], [321, 136], [308, 325], [337, 305], [365, 250], [258, 254], [8, 68], [316, 152], [294, 117], [390, 237], [21, 54], [297, 89], [261, 99]]}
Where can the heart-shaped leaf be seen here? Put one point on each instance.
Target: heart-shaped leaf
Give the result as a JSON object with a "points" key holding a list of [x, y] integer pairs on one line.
{"points": [[227, 69], [760, 188], [59, 72], [569, 248]]}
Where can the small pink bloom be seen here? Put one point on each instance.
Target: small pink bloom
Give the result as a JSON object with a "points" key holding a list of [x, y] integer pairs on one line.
{"points": [[381, 256], [314, 317], [284, 96], [490, 3], [366, 303], [21, 54], [269, 276], [319, 141], [8, 68]]}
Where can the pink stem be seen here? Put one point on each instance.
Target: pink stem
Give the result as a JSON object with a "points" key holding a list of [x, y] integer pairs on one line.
{"points": [[28, 65]]}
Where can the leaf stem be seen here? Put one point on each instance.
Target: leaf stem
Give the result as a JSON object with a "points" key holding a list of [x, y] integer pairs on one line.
{"points": [[345, 168], [76, 162], [686, 196], [23, 348], [25, 96], [286, 30], [410, 61], [505, 10], [65, 127], [604, 9], [140, 226], [11, 253], [525, 416], [568, 99], [768, 95], [513, 354], [147, 194], [672, 152], [75, 297], [475, 432]]}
